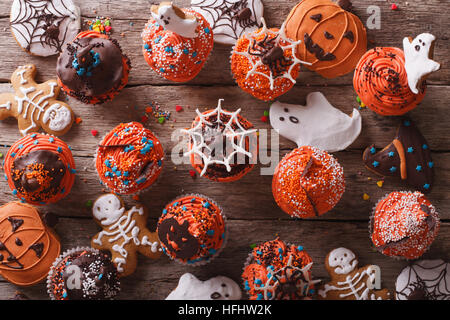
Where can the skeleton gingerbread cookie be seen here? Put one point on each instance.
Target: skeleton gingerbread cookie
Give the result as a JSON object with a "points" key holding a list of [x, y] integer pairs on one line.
{"points": [[124, 233], [35, 105], [348, 282]]}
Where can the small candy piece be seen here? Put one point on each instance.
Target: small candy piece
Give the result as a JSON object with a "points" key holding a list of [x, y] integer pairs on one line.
{"points": [[161, 120], [94, 133], [266, 113], [394, 6], [380, 183], [264, 119], [178, 108], [192, 173], [366, 197], [88, 204]]}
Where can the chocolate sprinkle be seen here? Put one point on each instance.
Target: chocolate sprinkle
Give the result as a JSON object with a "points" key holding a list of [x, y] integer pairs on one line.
{"points": [[15, 224], [328, 35], [316, 17]]}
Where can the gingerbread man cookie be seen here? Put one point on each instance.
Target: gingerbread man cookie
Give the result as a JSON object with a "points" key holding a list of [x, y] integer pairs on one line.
{"points": [[35, 105], [124, 233], [348, 282]]}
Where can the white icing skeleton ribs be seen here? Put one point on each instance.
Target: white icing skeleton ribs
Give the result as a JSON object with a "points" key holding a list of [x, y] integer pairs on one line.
{"points": [[175, 20], [35, 105], [121, 233]]}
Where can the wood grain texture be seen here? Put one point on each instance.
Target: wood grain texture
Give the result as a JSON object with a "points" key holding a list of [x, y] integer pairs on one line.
{"points": [[252, 213]]}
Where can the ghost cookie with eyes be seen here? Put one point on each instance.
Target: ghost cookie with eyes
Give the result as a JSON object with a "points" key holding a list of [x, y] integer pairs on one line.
{"points": [[317, 124], [124, 233], [217, 288], [348, 282]]}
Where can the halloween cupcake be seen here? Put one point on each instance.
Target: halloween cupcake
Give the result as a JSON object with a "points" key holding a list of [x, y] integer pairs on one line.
{"points": [[333, 39], [308, 182], [40, 169], [176, 42], [129, 159], [403, 225], [192, 230], [264, 62], [276, 270], [28, 246], [222, 144], [83, 274], [391, 81], [92, 68]]}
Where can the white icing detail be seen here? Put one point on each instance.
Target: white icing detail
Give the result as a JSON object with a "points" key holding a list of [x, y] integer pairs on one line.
{"points": [[119, 262], [6, 106], [342, 260], [20, 73], [198, 138], [74, 279], [317, 124], [59, 116], [191, 288], [167, 17], [418, 62], [153, 245]]}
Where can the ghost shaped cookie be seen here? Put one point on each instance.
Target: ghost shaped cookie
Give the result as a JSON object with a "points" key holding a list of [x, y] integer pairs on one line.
{"points": [[174, 19], [348, 282], [35, 105], [407, 157], [217, 288], [124, 233], [317, 124]]}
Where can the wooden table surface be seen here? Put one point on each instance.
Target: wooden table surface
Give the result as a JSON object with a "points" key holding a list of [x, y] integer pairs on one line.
{"points": [[253, 216]]}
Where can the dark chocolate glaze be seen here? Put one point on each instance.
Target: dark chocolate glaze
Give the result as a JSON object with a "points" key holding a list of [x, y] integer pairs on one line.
{"points": [[169, 230]]}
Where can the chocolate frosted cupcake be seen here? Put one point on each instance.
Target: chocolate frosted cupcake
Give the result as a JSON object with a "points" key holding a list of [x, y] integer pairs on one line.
{"points": [[93, 68], [83, 274]]}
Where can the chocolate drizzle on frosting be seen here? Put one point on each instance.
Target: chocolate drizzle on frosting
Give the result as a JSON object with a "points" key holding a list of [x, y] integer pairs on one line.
{"points": [[38, 248], [315, 49], [316, 17], [15, 223]]}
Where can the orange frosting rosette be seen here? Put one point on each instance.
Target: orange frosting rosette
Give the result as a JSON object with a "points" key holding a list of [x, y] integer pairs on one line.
{"points": [[404, 224], [308, 182], [174, 57], [129, 158], [40, 169], [192, 230], [381, 82]]}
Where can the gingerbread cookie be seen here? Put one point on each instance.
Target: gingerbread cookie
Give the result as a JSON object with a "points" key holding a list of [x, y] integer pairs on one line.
{"points": [[35, 105], [348, 282], [408, 157], [124, 233]]}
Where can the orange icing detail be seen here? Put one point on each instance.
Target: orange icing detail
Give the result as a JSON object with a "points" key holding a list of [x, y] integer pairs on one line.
{"points": [[136, 164], [401, 153], [32, 231], [400, 223], [336, 22], [174, 57], [308, 194], [381, 82], [25, 146]]}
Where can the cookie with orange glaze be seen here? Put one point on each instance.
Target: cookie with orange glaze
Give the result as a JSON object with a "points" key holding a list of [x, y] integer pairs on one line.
{"points": [[192, 230], [176, 42], [308, 182], [403, 225], [129, 159], [92, 68], [264, 62], [40, 169], [276, 270]]}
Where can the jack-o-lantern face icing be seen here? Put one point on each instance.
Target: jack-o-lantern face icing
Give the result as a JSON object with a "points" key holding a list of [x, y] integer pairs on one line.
{"points": [[177, 238], [333, 40]]}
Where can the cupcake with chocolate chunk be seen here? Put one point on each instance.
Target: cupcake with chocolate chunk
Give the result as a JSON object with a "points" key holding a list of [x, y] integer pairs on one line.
{"points": [[93, 68]]}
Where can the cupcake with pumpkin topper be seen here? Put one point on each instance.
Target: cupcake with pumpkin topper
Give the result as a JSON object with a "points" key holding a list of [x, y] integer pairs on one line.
{"points": [[176, 42]]}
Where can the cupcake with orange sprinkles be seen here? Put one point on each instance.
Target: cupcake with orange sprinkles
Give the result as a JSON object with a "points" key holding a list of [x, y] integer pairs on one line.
{"points": [[276, 270], [129, 159], [40, 169], [192, 230], [176, 42], [264, 62], [308, 182], [403, 225]]}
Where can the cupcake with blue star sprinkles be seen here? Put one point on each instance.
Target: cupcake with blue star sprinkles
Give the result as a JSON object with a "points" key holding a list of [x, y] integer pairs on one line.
{"points": [[192, 230], [40, 169], [129, 159], [276, 270], [176, 42]]}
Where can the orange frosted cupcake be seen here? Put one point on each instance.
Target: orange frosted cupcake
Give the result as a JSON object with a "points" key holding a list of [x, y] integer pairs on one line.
{"points": [[264, 63], [176, 42], [404, 224], [129, 159], [222, 144], [40, 169], [192, 230], [308, 182], [275, 270], [93, 68]]}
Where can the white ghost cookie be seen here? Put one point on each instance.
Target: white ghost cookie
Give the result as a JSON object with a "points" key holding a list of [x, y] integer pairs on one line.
{"points": [[217, 288], [419, 61], [174, 19], [318, 124]]}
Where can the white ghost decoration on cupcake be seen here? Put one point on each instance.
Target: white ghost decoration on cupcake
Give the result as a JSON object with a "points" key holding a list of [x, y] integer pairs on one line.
{"points": [[174, 19], [217, 288], [318, 124]]}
